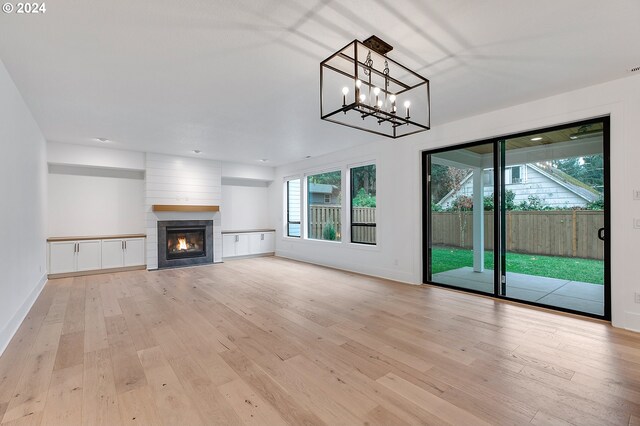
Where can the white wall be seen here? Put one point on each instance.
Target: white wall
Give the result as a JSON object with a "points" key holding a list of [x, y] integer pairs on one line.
{"points": [[95, 156], [399, 254], [245, 206], [94, 205], [181, 180], [23, 173], [247, 171]]}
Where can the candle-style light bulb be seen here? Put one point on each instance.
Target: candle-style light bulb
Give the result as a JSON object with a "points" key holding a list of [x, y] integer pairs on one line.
{"points": [[345, 91], [363, 97], [358, 83], [380, 103], [407, 104], [392, 99], [376, 91]]}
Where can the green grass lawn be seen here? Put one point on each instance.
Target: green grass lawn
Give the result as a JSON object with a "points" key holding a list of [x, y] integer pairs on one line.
{"points": [[566, 268]]}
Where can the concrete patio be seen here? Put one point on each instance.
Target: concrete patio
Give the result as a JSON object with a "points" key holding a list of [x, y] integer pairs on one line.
{"points": [[574, 295]]}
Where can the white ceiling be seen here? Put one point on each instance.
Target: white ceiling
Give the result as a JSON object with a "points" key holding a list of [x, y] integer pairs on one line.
{"points": [[239, 80]]}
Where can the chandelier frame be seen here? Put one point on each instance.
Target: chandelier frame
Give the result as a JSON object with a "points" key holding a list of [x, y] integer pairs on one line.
{"points": [[365, 69]]}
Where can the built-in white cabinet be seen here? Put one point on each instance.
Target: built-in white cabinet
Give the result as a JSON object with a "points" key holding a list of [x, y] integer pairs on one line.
{"points": [[134, 252], [74, 256], [235, 245], [248, 243], [62, 257], [92, 255], [89, 255], [118, 253]]}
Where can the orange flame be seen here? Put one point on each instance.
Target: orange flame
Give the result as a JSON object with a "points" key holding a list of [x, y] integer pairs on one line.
{"points": [[182, 243]]}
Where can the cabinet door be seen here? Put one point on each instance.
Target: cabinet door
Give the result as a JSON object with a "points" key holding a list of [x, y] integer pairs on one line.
{"points": [[254, 243], [112, 254], [228, 245], [89, 255], [267, 242], [134, 252], [242, 245], [62, 257]]}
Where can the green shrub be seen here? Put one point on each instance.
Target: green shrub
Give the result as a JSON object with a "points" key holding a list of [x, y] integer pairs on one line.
{"points": [[329, 231]]}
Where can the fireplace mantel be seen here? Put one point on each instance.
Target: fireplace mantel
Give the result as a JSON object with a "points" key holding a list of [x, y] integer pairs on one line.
{"points": [[184, 208]]}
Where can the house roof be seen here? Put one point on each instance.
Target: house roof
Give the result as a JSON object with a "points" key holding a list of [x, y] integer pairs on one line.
{"points": [[579, 188], [572, 184], [320, 188]]}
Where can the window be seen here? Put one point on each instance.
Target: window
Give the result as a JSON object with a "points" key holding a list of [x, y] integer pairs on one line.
{"points": [[363, 204], [327, 198], [293, 208], [512, 175], [488, 177], [324, 219]]}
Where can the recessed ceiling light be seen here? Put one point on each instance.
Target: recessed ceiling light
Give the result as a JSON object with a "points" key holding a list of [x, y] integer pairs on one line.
{"points": [[537, 138], [308, 156], [196, 151], [102, 139], [264, 160]]}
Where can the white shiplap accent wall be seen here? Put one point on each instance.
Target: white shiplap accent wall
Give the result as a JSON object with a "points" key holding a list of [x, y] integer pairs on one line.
{"points": [[181, 180]]}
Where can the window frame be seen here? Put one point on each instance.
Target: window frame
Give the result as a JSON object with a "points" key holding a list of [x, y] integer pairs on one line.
{"points": [[351, 195], [287, 209], [306, 205]]}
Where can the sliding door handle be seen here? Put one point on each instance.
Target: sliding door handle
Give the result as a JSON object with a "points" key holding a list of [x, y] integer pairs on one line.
{"points": [[601, 233]]}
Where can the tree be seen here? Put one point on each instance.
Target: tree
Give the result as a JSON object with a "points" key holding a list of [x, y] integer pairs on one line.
{"points": [[588, 169], [364, 199], [439, 182], [454, 178], [329, 178], [329, 231], [364, 177]]}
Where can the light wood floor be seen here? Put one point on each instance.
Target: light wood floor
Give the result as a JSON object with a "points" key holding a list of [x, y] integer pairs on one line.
{"points": [[268, 341]]}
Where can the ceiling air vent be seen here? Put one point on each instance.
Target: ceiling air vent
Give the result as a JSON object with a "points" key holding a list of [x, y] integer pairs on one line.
{"points": [[634, 69]]}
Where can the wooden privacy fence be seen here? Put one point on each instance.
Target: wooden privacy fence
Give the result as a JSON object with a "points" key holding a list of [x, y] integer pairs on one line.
{"points": [[567, 233], [320, 215]]}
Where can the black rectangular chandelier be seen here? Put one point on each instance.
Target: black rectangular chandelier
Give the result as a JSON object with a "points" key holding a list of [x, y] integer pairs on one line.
{"points": [[361, 87]]}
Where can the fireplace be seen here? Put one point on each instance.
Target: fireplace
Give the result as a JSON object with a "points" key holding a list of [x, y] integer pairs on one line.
{"points": [[184, 243]]}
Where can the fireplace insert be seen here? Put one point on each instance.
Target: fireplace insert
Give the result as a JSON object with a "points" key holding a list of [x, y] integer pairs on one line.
{"points": [[184, 243]]}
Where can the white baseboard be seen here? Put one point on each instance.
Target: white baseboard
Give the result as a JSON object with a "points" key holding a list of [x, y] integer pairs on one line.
{"points": [[372, 271], [7, 333], [632, 322]]}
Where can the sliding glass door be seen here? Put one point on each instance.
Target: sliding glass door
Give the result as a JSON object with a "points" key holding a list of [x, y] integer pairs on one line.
{"points": [[462, 218], [523, 217]]}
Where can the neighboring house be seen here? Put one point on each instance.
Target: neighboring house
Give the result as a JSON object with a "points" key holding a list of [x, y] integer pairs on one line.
{"points": [[552, 186], [321, 193]]}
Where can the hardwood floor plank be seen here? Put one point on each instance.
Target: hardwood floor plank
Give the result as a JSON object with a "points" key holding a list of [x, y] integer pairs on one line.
{"points": [[269, 390], [95, 336], [203, 391], [138, 408], [74, 317], [99, 398], [70, 350], [173, 405], [64, 399], [543, 419], [128, 372], [31, 391], [251, 409], [438, 406]]}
